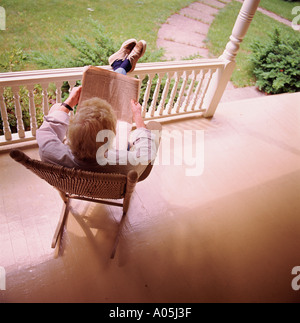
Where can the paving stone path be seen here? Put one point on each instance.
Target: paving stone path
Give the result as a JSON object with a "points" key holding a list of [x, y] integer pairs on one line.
{"points": [[183, 36]]}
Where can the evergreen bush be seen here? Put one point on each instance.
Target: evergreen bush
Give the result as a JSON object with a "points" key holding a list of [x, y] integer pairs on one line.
{"points": [[276, 64]]}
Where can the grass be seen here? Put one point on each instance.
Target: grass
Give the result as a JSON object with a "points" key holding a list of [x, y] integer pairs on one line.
{"points": [[280, 7], [260, 29], [42, 25]]}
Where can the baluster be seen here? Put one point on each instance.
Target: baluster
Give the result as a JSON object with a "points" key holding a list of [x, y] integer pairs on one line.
{"points": [[58, 91], [73, 82], [185, 103], [45, 98], [165, 94], [155, 96], [173, 93], [32, 111], [6, 128], [18, 112], [147, 94], [182, 90], [204, 90], [199, 86]]}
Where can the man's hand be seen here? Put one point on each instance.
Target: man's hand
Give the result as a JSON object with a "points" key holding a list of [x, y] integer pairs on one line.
{"points": [[74, 96], [137, 114], [72, 100]]}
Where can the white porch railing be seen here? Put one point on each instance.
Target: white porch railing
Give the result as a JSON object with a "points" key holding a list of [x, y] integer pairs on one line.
{"points": [[168, 88]]}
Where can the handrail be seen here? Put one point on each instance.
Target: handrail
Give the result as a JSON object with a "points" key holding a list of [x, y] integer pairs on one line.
{"points": [[168, 89]]}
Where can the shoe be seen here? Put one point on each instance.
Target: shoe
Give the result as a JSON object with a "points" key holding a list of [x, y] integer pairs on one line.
{"points": [[123, 52], [137, 52]]}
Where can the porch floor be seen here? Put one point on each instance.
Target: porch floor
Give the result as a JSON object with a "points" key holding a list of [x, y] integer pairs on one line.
{"points": [[231, 234]]}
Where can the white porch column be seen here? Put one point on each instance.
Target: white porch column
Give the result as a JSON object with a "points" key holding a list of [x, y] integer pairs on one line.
{"points": [[222, 77]]}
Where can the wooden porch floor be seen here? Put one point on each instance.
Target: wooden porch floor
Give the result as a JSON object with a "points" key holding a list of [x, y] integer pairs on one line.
{"points": [[231, 234]]}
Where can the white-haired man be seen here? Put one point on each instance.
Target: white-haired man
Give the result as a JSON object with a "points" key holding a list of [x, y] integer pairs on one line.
{"points": [[95, 115]]}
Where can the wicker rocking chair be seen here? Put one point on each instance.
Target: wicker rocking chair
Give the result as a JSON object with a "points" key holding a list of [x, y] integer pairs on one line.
{"points": [[83, 185]]}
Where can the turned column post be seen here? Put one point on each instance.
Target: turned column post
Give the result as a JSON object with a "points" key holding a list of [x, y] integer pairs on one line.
{"points": [[240, 29], [222, 77]]}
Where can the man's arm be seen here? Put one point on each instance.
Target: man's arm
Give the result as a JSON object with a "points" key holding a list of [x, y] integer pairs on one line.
{"points": [[137, 114], [52, 132], [144, 147]]}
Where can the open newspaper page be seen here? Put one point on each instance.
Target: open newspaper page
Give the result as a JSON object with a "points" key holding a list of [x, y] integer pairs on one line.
{"points": [[117, 90]]}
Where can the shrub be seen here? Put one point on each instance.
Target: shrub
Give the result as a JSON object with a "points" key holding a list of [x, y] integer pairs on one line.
{"points": [[12, 60], [276, 64]]}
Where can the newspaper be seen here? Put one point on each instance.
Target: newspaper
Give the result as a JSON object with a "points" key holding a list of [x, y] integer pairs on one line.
{"points": [[115, 88]]}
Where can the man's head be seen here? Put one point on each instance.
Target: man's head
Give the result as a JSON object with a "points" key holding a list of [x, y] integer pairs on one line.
{"points": [[93, 116]]}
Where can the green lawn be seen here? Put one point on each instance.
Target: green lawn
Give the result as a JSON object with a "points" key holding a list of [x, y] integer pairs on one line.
{"points": [[260, 27], [280, 7], [43, 24]]}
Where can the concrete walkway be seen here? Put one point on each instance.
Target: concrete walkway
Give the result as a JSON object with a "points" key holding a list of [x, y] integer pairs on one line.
{"points": [[184, 35]]}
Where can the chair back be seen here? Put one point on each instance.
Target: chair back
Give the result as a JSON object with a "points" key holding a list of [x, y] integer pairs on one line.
{"points": [[75, 181]]}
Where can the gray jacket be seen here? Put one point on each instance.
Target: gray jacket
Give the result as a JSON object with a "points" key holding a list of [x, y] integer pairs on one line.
{"points": [[50, 137]]}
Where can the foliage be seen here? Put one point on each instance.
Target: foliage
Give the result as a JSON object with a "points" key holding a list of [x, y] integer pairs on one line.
{"points": [[221, 29], [276, 64], [13, 60]]}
